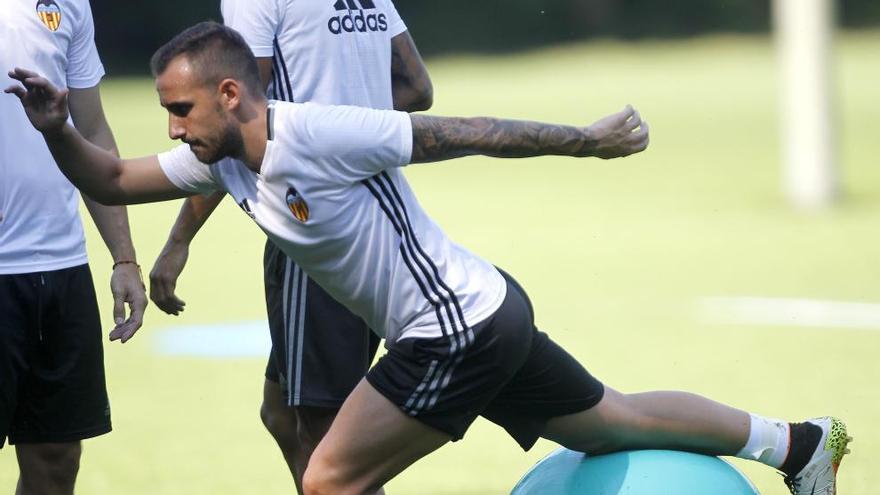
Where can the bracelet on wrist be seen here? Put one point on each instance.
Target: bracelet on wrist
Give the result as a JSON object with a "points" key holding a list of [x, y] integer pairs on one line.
{"points": [[132, 262]]}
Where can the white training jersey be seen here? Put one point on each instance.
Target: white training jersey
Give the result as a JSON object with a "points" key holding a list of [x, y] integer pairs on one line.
{"points": [[331, 195], [40, 228], [336, 52]]}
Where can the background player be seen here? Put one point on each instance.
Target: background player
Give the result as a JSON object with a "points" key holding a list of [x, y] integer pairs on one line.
{"points": [[52, 388], [324, 183], [347, 53]]}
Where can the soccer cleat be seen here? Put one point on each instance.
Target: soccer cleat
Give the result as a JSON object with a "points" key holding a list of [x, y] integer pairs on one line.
{"points": [[819, 476]]}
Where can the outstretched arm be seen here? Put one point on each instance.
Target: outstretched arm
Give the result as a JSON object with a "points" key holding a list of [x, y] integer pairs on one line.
{"points": [[98, 173], [443, 138]]}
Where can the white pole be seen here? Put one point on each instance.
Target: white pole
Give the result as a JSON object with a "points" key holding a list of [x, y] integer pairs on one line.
{"points": [[804, 30]]}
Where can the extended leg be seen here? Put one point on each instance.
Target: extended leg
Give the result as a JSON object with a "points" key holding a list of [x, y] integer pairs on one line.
{"points": [[653, 420], [808, 453]]}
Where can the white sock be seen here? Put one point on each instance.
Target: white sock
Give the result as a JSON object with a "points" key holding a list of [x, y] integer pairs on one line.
{"points": [[768, 441]]}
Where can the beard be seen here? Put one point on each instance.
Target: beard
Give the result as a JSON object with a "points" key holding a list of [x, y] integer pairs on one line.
{"points": [[229, 143]]}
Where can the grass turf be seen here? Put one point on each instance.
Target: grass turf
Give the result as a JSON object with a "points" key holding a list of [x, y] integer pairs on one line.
{"points": [[614, 254]]}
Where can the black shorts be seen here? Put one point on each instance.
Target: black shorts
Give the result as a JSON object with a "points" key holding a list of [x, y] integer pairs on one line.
{"points": [[503, 369], [320, 350], [52, 385]]}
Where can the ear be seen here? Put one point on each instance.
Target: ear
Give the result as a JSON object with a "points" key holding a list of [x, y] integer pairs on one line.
{"points": [[230, 93]]}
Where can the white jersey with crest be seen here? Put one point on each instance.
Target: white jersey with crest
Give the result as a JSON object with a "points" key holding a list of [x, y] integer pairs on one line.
{"points": [[331, 195], [40, 228], [336, 52]]}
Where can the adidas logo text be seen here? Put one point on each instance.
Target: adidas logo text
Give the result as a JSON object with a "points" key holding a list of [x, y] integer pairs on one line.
{"points": [[355, 20]]}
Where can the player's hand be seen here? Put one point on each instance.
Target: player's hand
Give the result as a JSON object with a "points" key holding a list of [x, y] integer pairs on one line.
{"points": [[164, 275], [128, 288], [619, 134], [44, 104]]}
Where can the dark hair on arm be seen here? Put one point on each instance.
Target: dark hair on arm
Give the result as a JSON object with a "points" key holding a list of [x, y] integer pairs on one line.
{"points": [[216, 52]]}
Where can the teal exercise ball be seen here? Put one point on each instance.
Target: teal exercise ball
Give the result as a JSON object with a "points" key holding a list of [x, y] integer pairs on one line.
{"points": [[638, 472]]}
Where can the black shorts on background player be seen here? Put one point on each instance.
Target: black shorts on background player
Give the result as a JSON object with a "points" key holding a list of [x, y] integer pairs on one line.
{"points": [[320, 350], [507, 371], [52, 386]]}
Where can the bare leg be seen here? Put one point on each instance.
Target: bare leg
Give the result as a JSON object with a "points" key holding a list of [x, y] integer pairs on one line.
{"points": [[313, 422], [281, 421], [369, 443], [653, 420], [297, 430], [47, 468]]}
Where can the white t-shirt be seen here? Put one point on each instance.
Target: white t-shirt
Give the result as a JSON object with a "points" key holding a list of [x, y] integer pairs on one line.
{"points": [[331, 195], [40, 228], [337, 53]]}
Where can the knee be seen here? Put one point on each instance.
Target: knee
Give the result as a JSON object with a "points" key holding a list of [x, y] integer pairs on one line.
{"points": [[277, 421], [56, 463], [629, 427], [313, 423], [266, 416], [614, 425], [319, 479], [59, 459], [612, 444], [606, 442], [323, 476]]}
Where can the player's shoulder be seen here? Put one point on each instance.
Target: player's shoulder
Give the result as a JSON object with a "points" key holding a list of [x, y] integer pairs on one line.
{"points": [[79, 4], [65, 16], [309, 118], [291, 121], [75, 10], [308, 129], [274, 7], [233, 4], [291, 114]]}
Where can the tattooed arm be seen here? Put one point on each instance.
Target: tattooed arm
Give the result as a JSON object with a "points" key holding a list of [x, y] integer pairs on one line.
{"points": [[442, 138]]}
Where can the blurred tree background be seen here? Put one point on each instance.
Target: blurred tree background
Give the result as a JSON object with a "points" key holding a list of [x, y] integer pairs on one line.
{"points": [[129, 32]]}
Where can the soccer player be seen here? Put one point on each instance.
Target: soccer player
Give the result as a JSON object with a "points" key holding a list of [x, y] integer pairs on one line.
{"points": [[309, 50], [52, 387], [324, 183]]}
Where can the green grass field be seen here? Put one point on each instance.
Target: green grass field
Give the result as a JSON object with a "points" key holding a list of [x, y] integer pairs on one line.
{"points": [[616, 256]]}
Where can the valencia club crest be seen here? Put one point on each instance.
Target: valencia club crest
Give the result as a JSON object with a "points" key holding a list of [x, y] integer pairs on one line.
{"points": [[49, 13], [297, 205]]}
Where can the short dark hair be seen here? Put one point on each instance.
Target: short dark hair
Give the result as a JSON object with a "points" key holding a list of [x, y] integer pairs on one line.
{"points": [[216, 52]]}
